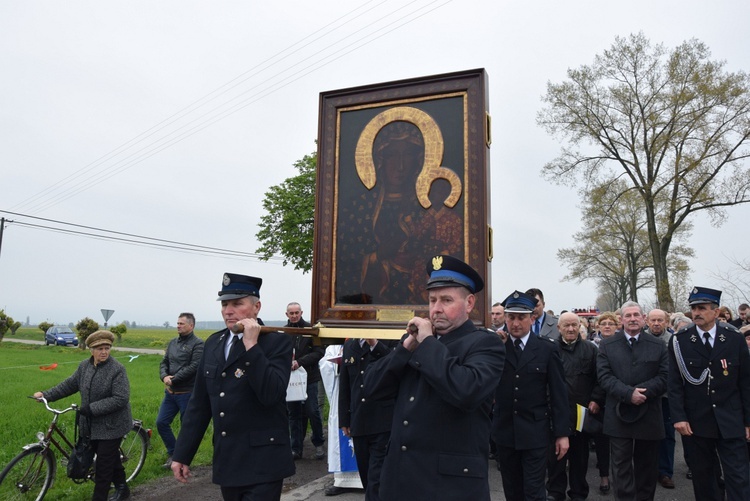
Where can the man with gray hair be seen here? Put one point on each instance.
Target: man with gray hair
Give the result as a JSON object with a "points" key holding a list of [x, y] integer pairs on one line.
{"points": [[632, 367]]}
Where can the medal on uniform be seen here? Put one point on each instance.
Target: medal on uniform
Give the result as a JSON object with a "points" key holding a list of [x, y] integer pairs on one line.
{"points": [[239, 373], [724, 366]]}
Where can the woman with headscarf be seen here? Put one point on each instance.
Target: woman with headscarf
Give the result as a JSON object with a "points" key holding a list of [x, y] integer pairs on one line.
{"points": [[104, 411]]}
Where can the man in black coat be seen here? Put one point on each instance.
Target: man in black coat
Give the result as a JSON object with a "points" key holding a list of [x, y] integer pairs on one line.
{"points": [[442, 376], [632, 368], [367, 421], [709, 395], [579, 364], [531, 404], [307, 356], [241, 385]]}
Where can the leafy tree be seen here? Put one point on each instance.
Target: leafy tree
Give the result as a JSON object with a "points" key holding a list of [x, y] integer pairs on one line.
{"points": [[85, 328], [613, 248], [6, 323], [119, 330], [674, 125], [45, 325], [166, 324], [13, 328], [286, 228]]}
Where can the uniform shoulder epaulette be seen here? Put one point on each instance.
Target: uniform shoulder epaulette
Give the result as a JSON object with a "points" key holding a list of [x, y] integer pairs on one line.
{"points": [[683, 329], [729, 327]]}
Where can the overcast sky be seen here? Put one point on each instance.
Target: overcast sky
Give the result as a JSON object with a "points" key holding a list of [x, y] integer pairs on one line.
{"points": [[179, 115]]}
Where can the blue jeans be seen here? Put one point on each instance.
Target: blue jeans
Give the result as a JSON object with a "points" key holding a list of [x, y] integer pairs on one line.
{"points": [[299, 413], [170, 406]]}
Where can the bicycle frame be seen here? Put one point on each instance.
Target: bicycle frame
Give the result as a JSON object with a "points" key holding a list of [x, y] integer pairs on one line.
{"points": [[48, 438]]}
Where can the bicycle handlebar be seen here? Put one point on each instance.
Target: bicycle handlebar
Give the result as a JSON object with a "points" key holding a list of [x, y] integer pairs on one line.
{"points": [[73, 407]]}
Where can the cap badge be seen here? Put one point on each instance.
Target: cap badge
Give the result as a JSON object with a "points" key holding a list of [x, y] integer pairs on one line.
{"points": [[227, 281], [515, 295], [437, 262], [695, 290]]}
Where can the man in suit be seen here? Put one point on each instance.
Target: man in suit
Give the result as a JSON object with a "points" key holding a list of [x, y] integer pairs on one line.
{"points": [[241, 384], [307, 356], [544, 324], [632, 368], [442, 376], [531, 404], [709, 395], [743, 316], [367, 421]]}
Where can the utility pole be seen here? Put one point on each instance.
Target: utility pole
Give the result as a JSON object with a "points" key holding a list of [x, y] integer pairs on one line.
{"points": [[2, 226]]}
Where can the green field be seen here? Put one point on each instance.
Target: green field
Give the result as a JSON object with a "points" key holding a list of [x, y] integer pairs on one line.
{"points": [[134, 338], [21, 376]]}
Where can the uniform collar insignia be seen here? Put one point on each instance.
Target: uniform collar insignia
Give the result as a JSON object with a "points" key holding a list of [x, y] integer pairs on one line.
{"points": [[693, 338], [722, 338]]}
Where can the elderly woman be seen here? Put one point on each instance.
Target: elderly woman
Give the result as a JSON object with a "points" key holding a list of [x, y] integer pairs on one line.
{"points": [[104, 412]]}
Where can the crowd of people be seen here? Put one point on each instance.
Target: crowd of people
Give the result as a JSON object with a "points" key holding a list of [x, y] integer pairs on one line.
{"points": [[426, 414]]}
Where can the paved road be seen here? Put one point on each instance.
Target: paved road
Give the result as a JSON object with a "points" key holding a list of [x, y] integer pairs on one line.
{"points": [[149, 351]]}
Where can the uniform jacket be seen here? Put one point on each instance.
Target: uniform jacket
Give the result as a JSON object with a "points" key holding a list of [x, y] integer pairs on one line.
{"points": [[364, 416], [245, 396], [579, 365], [531, 401], [439, 439], [106, 390], [620, 370], [307, 355], [181, 359], [725, 405]]}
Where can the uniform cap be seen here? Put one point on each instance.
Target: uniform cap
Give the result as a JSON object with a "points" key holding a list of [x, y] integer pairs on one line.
{"points": [[448, 271], [519, 302], [702, 295], [235, 286]]}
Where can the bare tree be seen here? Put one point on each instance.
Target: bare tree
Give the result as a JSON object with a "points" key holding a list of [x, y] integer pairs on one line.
{"points": [[674, 125]]}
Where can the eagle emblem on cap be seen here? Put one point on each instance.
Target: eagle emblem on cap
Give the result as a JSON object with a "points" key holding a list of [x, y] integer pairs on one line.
{"points": [[437, 262], [227, 281]]}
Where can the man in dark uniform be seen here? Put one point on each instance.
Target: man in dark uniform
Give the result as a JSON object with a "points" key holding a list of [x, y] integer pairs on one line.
{"points": [[241, 384], [632, 368], [709, 396], [367, 421], [532, 385], [442, 377]]}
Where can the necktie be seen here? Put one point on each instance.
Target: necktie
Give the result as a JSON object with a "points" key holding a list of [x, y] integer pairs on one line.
{"points": [[519, 346], [632, 341], [707, 337], [232, 346]]}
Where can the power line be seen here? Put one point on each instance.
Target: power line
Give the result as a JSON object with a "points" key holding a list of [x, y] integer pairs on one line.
{"points": [[134, 239], [48, 198]]}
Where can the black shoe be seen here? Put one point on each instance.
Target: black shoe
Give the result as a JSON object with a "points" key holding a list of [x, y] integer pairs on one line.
{"points": [[167, 464], [332, 490], [121, 493], [296, 455]]}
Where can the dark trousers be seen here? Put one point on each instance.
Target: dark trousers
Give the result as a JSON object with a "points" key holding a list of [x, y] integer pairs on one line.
{"points": [[577, 461], [666, 445], [299, 413], [702, 462], [602, 454], [370, 453], [270, 491], [108, 467], [170, 406], [523, 473], [634, 468]]}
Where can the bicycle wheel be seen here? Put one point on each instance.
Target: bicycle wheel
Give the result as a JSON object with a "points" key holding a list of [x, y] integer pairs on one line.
{"points": [[28, 476], [133, 451]]}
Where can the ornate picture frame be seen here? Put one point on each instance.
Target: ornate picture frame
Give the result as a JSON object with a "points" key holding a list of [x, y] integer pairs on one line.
{"points": [[403, 174]]}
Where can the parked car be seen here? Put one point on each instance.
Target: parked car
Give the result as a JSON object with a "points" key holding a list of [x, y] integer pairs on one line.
{"points": [[59, 334]]}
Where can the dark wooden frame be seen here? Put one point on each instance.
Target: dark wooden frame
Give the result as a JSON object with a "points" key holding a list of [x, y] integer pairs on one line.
{"points": [[469, 87]]}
